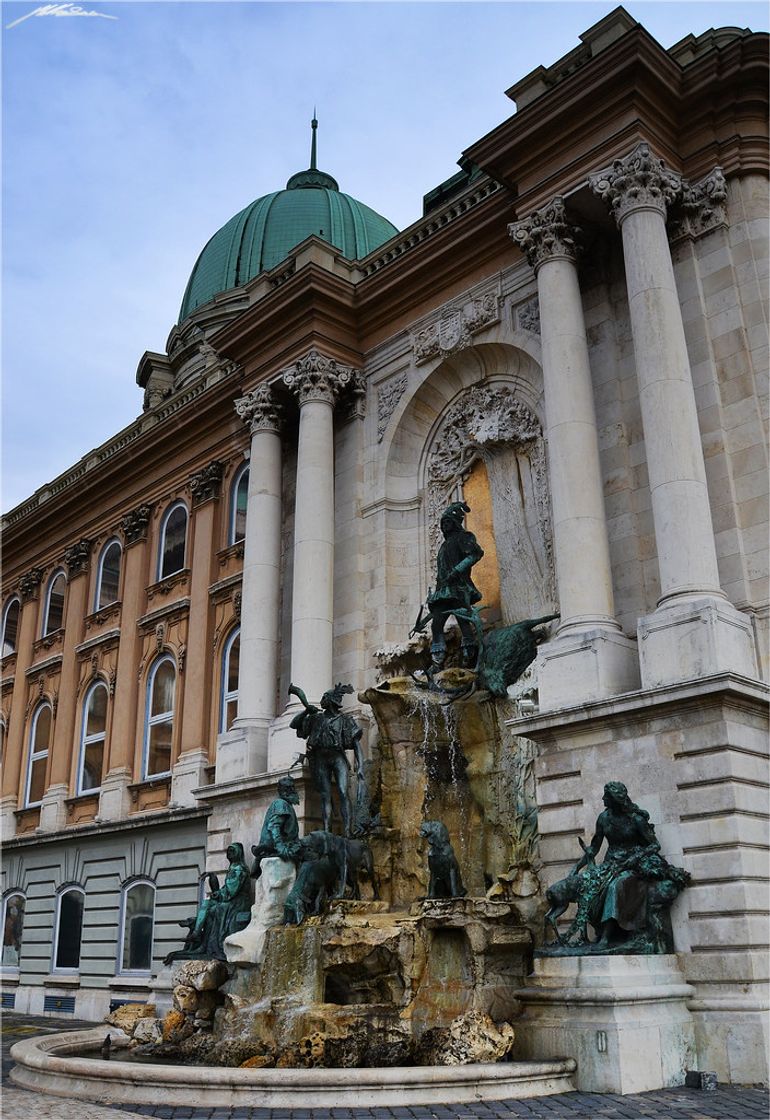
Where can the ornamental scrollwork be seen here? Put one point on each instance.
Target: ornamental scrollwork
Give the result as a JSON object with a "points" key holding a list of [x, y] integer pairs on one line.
{"points": [[453, 330], [638, 181], [260, 410], [546, 234], [206, 483], [30, 582], [388, 396], [528, 316], [701, 207], [135, 523], [318, 378], [77, 557]]}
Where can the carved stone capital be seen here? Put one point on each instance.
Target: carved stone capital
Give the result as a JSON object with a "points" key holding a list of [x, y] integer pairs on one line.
{"points": [[77, 557], [701, 207], [639, 181], [206, 483], [546, 234], [30, 582], [135, 523], [260, 410], [318, 378]]}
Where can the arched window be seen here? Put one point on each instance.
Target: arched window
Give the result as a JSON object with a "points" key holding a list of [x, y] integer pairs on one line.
{"points": [[39, 742], [69, 929], [137, 916], [54, 604], [159, 725], [230, 659], [92, 739], [11, 625], [108, 576], [14, 905], [173, 538], [239, 492]]}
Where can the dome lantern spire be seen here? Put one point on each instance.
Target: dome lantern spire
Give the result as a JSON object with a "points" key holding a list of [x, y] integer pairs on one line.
{"points": [[312, 177], [314, 126]]}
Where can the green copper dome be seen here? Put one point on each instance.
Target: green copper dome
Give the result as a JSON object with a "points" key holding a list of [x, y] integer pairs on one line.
{"points": [[262, 235]]}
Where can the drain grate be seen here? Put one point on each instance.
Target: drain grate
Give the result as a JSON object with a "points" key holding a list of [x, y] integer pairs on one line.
{"points": [[59, 1003]]}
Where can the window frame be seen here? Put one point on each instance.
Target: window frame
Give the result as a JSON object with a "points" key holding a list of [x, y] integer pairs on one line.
{"points": [[12, 892], [47, 611], [234, 486], [68, 888], [126, 887], [224, 665], [100, 574], [32, 755], [162, 543], [87, 740], [150, 720], [6, 611]]}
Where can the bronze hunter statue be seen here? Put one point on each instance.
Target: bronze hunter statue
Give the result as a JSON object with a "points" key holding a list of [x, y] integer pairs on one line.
{"points": [[626, 898], [455, 593], [330, 733]]}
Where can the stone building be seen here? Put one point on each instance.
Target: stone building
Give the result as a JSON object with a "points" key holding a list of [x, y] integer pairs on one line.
{"points": [[573, 337]]}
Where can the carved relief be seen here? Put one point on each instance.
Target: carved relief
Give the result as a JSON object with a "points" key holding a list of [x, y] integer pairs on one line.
{"points": [[206, 483], [454, 328], [30, 582], [237, 600], [160, 636], [260, 410], [701, 207], [389, 393], [546, 234], [638, 181], [528, 316], [318, 378], [489, 423], [77, 557], [135, 524]]}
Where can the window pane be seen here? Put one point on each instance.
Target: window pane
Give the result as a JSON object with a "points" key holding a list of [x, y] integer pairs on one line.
{"points": [[14, 925], [55, 618], [239, 512], [174, 542], [159, 748], [231, 711], [97, 711], [42, 730], [163, 689], [93, 759], [137, 937], [109, 576], [232, 666], [11, 628], [70, 930], [37, 780]]}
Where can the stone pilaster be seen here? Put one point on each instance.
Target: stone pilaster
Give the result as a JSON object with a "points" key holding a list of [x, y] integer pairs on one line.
{"points": [[590, 657], [674, 642]]}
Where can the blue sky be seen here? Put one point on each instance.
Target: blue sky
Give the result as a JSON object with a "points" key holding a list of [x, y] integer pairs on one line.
{"points": [[128, 142]]}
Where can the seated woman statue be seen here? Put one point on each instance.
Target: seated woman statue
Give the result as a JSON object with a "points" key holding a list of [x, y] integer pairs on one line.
{"points": [[625, 898], [225, 911]]}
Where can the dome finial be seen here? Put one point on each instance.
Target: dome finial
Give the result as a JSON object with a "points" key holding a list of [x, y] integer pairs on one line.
{"points": [[314, 126]]}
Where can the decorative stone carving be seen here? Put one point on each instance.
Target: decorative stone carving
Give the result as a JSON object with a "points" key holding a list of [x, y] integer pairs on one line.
{"points": [[639, 181], [528, 316], [453, 330], [30, 582], [389, 393], [206, 483], [701, 208], [160, 636], [135, 523], [237, 600], [77, 557], [318, 378], [260, 410], [546, 234]]}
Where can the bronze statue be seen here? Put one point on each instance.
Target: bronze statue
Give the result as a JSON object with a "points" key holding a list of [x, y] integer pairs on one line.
{"points": [[225, 911], [455, 592], [321, 876], [626, 898], [330, 733], [445, 880], [280, 829]]}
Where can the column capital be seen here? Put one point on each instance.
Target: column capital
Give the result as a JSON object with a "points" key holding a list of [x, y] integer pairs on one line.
{"points": [[30, 582], [546, 234], [701, 207], [77, 557], [135, 523], [206, 483], [260, 410], [318, 378], [638, 181]]}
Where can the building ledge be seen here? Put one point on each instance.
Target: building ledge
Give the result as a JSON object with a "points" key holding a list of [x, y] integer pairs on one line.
{"points": [[153, 819], [62, 980]]}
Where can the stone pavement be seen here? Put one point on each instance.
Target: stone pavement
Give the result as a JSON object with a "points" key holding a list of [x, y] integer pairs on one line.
{"points": [[727, 1103]]}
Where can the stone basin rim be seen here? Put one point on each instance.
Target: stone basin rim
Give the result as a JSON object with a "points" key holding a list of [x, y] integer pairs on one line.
{"points": [[42, 1065]]}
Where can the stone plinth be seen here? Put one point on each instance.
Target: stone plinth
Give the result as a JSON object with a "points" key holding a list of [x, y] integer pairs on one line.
{"points": [[623, 1018], [270, 893]]}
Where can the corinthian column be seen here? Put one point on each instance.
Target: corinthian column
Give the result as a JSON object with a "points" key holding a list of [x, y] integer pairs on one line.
{"points": [[639, 190], [590, 658], [243, 750]]}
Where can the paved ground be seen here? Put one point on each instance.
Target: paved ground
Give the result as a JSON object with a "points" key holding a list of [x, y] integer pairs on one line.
{"points": [[728, 1103]]}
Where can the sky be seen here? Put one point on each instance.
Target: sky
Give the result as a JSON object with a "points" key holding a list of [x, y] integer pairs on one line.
{"points": [[128, 141]]}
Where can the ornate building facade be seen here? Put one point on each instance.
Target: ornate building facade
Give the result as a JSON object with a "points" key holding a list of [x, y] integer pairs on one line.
{"points": [[574, 339]]}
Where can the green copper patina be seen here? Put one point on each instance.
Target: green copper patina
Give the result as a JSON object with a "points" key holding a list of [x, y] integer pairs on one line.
{"points": [[264, 233]]}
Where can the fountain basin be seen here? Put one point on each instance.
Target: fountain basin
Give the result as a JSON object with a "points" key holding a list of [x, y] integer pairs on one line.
{"points": [[47, 1065]]}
